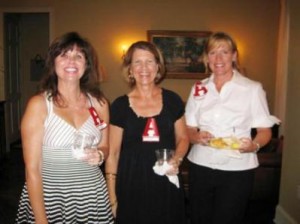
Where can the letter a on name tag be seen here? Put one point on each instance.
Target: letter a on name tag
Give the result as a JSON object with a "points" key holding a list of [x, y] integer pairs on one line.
{"points": [[151, 133]]}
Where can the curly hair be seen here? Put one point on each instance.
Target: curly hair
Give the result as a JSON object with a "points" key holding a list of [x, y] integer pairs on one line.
{"points": [[88, 82]]}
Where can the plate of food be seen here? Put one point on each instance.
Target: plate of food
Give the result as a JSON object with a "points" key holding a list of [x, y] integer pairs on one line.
{"points": [[225, 143]]}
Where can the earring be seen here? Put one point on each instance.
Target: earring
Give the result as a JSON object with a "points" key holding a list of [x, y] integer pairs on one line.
{"points": [[130, 76], [158, 76]]}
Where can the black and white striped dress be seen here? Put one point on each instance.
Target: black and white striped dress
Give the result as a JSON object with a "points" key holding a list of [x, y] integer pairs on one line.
{"points": [[74, 192]]}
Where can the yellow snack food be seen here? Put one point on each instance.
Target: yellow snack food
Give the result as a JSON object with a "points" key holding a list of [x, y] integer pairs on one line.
{"points": [[235, 145], [218, 143], [225, 143]]}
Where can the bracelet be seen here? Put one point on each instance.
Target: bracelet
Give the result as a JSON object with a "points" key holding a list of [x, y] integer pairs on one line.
{"points": [[257, 146], [178, 160], [101, 155], [111, 176], [115, 202]]}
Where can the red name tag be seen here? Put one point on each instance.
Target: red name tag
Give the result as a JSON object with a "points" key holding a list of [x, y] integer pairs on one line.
{"points": [[97, 121], [200, 90], [151, 133]]}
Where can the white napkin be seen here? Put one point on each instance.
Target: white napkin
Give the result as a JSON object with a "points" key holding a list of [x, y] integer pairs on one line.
{"points": [[162, 169], [234, 154]]}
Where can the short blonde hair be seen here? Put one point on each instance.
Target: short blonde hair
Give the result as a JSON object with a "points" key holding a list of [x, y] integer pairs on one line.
{"points": [[214, 41]]}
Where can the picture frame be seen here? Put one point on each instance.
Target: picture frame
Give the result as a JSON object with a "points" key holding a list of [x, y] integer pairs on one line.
{"points": [[182, 51]]}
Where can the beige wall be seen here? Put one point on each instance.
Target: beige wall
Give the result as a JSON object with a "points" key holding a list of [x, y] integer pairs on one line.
{"points": [[288, 210], [107, 24], [129, 20]]}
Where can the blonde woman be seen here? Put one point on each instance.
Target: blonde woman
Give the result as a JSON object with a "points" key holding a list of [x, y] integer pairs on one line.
{"points": [[224, 107]]}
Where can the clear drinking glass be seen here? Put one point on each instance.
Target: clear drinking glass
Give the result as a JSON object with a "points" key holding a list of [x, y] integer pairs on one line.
{"points": [[82, 141], [163, 155]]}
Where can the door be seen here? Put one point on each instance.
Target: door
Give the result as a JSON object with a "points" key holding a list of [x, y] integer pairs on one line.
{"points": [[12, 76], [25, 35]]}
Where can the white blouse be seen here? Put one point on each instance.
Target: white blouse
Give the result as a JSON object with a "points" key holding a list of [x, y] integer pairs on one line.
{"points": [[239, 106]]}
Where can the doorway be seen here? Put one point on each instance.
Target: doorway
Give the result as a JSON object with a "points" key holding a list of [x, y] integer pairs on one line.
{"points": [[25, 37]]}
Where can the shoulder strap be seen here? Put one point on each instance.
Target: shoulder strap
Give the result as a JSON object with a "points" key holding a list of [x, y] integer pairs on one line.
{"points": [[49, 104], [90, 99]]}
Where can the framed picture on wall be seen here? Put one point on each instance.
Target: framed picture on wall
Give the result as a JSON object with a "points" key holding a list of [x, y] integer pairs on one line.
{"points": [[182, 51]]}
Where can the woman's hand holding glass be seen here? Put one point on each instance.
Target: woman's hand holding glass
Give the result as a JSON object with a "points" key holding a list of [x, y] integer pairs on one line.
{"points": [[165, 157], [174, 169], [94, 156], [84, 149]]}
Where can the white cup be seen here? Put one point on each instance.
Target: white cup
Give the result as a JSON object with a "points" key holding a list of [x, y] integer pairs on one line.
{"points": [[82, 141]]}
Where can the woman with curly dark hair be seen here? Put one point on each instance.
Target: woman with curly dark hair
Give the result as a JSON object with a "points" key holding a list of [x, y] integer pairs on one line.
{"points": [[62, 187]]}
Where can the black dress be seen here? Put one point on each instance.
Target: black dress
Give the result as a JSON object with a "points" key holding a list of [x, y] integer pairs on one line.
{"points": [[143, 196]]}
